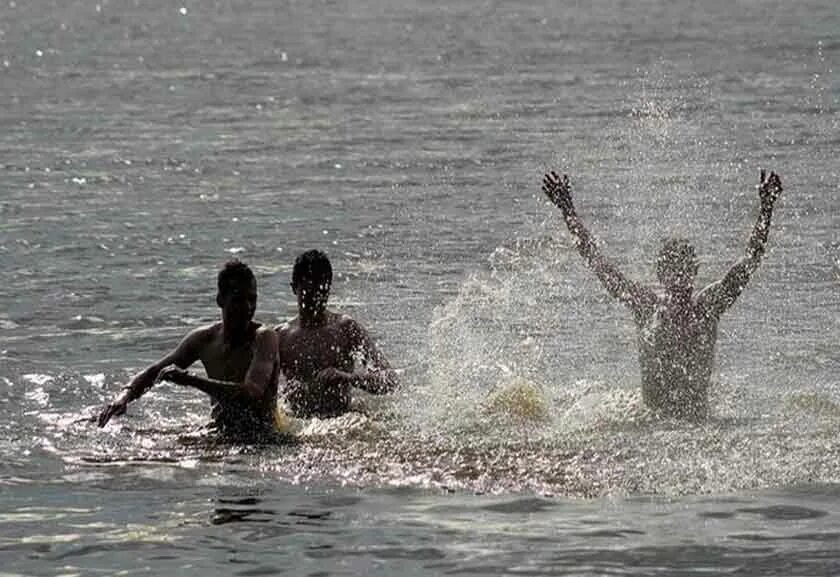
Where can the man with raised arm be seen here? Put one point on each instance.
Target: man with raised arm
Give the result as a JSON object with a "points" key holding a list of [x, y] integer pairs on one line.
{"points": [[323, 354], [239, 357], [677, 328]]}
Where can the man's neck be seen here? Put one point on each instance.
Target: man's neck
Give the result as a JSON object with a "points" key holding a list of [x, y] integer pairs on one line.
{"points": [[313, 319], [235, 336]]}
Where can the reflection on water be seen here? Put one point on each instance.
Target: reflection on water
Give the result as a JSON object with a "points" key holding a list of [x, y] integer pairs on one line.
{"points": [[236, 510]]}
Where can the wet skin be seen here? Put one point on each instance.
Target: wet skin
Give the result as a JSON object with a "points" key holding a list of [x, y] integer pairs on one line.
{"points": [[323, 355], [677, 328], [239, 357]]}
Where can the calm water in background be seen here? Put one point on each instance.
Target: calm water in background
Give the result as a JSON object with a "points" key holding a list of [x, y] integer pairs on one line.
{"points": [[142, 144]]}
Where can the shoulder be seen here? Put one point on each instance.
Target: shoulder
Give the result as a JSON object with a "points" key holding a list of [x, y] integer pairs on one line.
{"points": [[264, 332], [350, 329], [346, 323], [711, 298], [285, 332], [647, 302], [204, 334], [286, 326], [708, 291], [265, 339], [709, 294], [198, 340]]}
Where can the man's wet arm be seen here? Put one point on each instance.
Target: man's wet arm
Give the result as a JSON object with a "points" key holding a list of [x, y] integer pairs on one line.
{"points": [[184, 355], [617, 284], [263, 365], [721, 295]]}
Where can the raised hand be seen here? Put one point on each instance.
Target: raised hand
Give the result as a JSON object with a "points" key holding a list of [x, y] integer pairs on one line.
{"points": [[558, 191], [769, 188]]}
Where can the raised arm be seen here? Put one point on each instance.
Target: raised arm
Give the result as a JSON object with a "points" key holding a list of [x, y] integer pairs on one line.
{"points": [[637, 297], [719, 296], [257, 379], [185, 354]]}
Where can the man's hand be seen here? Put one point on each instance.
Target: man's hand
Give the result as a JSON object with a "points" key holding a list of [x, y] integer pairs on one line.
{"points": [[332, 390], [172, 374], [558, 191], [331, 379], [769, 189], [113, 410]]}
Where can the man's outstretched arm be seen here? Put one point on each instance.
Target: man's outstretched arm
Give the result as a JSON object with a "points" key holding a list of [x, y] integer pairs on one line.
{"points": [[257, 379], [559, 192], [185, 354], [719, 296]]}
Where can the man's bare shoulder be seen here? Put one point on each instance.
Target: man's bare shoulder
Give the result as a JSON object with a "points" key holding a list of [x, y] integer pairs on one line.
{"points": [[287, 327], [350, 328], [265, 332], [343, 319], [707, 292], [203, 340], [344, 322], [205, 333], [711, 300], [653, 298]]}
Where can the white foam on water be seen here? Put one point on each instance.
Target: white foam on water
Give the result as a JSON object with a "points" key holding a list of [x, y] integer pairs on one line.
{"points": [[96, 380], [38, 395], [37, 378]]}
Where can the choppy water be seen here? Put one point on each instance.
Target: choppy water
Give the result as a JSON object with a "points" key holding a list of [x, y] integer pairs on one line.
{"points": [[142, 144]]}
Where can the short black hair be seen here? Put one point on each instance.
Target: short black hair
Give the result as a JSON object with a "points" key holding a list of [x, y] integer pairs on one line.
{"points": [[232, 271], [313, 265]]}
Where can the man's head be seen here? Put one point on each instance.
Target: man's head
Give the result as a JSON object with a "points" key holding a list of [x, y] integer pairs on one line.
{"points": [[676, 265], [311, 281], [237, 294]]}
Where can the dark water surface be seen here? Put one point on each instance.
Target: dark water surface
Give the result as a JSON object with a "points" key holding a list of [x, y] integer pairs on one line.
{"points": [[144, 143]]}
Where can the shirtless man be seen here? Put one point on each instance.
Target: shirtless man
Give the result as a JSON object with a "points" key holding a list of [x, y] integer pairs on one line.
{"points": [[677, 328], [324, 354], [239, 357]]}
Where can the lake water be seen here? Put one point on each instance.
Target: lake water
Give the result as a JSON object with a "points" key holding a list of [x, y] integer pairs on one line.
{"points": [[144, 143]]}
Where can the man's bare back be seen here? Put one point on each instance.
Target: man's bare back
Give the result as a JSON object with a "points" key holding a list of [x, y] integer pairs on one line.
{"points": [[676, 354], [677, 328]]}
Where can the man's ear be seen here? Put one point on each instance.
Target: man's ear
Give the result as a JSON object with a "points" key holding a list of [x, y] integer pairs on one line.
{"points": [[219, 299]]}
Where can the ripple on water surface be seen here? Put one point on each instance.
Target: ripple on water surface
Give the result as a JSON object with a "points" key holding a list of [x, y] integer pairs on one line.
{"points": [[616, 448]]}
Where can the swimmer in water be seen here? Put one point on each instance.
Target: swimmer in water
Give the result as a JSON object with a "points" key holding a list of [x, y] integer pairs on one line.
{"points": [[239, 357], [677, 328], [324, 354]]}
